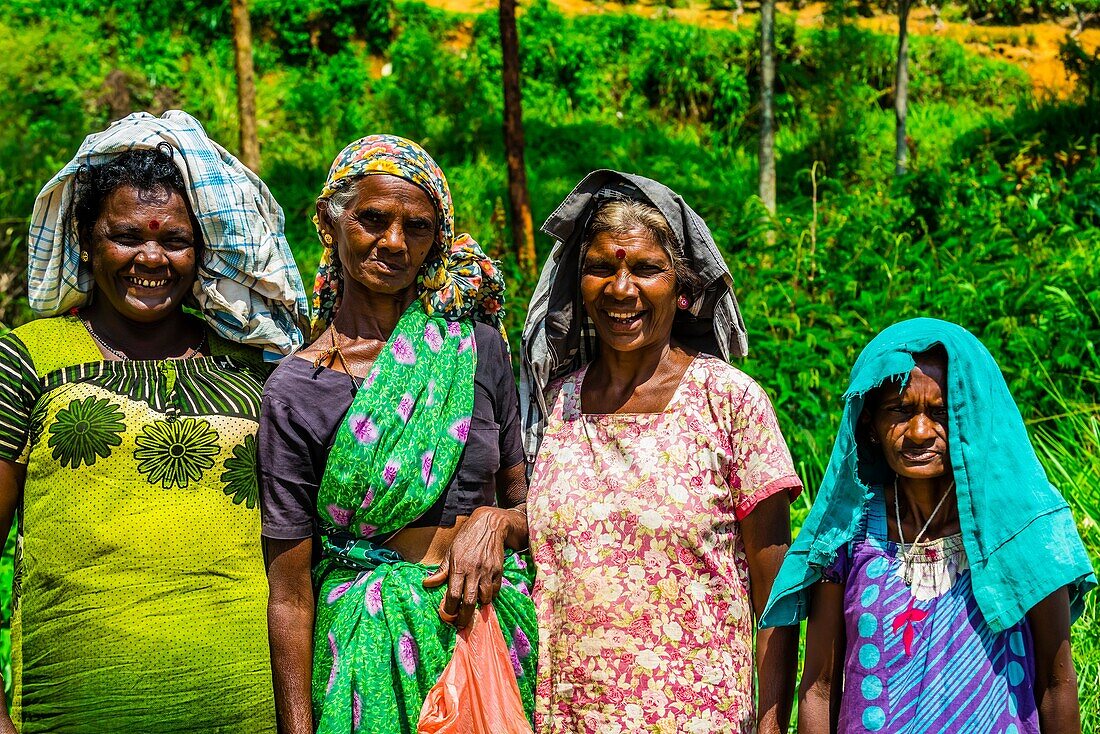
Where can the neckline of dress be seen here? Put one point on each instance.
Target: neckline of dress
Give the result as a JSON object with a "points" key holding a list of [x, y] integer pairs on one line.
{"points": [[208, 339], [578, 382]]}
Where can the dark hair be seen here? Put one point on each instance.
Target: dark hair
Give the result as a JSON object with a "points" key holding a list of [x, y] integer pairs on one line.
{"points": [[619, 216], [145, 170]]}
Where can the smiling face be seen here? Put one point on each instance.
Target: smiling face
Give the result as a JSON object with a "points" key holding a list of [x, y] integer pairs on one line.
{"points": [[385, 233], [628, 287], [143, 252], [911, 427]]}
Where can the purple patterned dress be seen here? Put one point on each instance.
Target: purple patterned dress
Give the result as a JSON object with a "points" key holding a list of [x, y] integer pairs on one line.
{"points": [[920, 659]]}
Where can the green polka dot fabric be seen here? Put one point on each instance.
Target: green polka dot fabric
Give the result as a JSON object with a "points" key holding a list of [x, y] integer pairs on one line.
{"points": [[141, 587]]}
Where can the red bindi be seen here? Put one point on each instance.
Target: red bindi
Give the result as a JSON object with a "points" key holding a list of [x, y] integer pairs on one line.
{"points": [[620, 253], [154, 225]]}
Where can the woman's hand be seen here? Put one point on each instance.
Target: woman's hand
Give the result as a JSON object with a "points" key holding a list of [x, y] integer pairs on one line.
{"points": [[767, 535], [474, 564]]}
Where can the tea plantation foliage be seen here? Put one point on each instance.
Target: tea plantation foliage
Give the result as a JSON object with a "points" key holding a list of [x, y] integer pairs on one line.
{"points": [[997, 226]]}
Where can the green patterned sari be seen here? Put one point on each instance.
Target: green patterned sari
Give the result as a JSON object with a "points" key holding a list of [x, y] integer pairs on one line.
{"points": [[379, 643]]}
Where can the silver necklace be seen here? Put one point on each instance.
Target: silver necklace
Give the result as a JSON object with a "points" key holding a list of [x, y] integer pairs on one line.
{"points": [[191, 351], [907, 556]]}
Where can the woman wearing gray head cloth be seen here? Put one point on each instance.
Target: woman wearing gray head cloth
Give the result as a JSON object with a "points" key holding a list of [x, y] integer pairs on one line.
{"points": [[660, 499]]}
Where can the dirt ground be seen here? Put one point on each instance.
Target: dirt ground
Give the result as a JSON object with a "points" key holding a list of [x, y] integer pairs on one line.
{"points": [[1034, 47]]}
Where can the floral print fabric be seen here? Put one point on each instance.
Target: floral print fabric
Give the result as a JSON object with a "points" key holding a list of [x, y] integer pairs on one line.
{"points": [[642, 591], [403, 435], [379, 645]]}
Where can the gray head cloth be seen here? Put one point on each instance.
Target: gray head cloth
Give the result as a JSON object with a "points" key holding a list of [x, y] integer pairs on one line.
{"points": [[559, 338]]}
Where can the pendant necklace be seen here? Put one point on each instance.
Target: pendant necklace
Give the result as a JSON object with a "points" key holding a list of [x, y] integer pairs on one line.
{"points": [[907, 555], [330, 355], [191, 351]]}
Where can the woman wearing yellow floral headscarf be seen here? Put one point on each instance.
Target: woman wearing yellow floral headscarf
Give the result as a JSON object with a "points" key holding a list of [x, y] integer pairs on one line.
{"points": [[385, 446]]}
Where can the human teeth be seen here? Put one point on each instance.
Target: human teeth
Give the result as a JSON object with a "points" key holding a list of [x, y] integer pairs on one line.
{"points": [[621, 315], [148, 283]]}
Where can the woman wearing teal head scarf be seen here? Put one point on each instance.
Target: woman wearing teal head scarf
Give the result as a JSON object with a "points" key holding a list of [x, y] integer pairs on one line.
{"points": [[939, 569]]}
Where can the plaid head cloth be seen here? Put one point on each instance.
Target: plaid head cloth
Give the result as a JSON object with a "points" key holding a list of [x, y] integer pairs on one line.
{"points": [[248, 287]]}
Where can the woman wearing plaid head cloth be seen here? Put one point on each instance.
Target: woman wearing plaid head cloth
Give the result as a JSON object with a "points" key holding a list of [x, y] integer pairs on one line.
{"points": [[128, 437]]}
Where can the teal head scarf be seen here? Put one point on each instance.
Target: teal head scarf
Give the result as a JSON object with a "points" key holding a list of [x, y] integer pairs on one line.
{"points": [[1018, 532]]}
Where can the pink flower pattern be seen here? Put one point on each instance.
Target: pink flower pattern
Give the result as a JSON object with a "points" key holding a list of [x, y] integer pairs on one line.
{"points": [[403, 350], [461, 429], [341, 516], [363, 428], [405, 406], [642, 591], [407, 653], [432, 337]]}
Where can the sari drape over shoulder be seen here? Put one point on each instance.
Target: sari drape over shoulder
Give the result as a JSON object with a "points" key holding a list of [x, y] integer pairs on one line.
{"points": [[379, 643]]}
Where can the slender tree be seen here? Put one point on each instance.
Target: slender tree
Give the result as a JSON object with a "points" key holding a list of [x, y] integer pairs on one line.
{"points": [[523, 230], [901, 90], [246, 85], [767, 104]]}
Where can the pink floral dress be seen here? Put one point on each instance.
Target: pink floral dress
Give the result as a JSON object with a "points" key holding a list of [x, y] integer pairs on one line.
{"points": [[642, 591]]}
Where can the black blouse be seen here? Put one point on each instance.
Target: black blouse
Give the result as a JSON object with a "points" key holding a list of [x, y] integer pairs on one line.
{"points": [[303, 406]]}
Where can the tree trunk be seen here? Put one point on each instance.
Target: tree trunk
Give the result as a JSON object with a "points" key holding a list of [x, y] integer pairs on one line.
{"points": [[767, 104], [901, 90], [523, 230], [246, 85]]}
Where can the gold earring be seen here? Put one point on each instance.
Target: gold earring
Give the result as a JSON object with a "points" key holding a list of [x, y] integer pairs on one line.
{"points": [[84, 257], [327, 238]]}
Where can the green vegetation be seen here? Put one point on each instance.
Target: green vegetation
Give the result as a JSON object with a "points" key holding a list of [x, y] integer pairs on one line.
{"points": [[996, 227]]}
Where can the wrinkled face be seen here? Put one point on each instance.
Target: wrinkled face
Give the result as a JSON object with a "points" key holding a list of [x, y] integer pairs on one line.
{"points": [[911, 426], [143, 253], [629, 290], [385, 234]]}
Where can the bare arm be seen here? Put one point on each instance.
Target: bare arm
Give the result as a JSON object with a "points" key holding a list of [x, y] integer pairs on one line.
{"points": [[1055, 676], [290, 631], [823, 670], [767, 534], [12, 477], [474, 565]]}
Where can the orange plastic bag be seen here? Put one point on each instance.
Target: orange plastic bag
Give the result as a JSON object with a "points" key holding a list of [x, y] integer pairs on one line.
{"points": [[477, 692]]}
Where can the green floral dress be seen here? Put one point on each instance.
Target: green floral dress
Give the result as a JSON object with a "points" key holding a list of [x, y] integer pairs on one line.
{"points": [[140, 593]]}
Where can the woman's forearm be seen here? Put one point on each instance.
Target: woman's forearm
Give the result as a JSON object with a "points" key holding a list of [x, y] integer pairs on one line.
{"points": [[290, 630], [1055, 674], [777, 656], [1059, 709]]}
